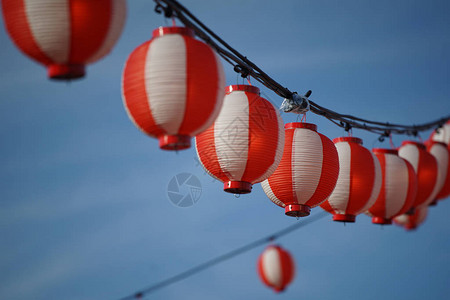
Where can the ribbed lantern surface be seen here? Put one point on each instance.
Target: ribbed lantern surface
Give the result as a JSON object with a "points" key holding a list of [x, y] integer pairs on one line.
{"points": [[441, 152], [398, 187], [426, 169], [276, 267], [307, 173], [64, 35], [245, 144], [358, 183], [173, 87], [410, 222]]}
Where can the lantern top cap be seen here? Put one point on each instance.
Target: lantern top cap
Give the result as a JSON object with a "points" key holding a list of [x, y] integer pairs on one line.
{"points": [[294, 125], [242, 87], [431, 143], [418, 144], [386, 151], [349, 139], [160, 31]]}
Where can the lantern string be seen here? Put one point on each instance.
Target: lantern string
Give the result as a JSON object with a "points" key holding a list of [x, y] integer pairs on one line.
{"points": [[226, 256], [246, 67]]}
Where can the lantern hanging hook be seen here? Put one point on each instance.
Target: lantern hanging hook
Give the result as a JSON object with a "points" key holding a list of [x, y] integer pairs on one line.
{"points": [[160, 8], [296, 103]]}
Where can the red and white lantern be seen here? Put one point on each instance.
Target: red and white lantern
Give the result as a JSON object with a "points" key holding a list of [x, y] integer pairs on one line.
{"points": [[441, 153], [245, 144], [410, 222], [442, 134], [173, 87], [358, 183], [426, 169], [276, 268], [64, 35], [307, 173], [398, 187]]}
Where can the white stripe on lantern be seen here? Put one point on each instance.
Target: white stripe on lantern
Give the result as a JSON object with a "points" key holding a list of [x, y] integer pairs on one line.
{"points": [[278, 153], [396, 184], [49, 22], [268, 190], [307, 154], [231, 135], [341, 193], [443, 134], [219, 97], [165, 80], [378, 179], [271, 264], [117, 20], [410, 153], [440, 153]]}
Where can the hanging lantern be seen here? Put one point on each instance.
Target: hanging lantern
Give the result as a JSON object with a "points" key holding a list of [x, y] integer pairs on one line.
{"points": [[245, 144], [276, 268], [425, 167], [398, 187], [410, 222], [441, 153], [64, 35], [307, 173], [172, 87], [358, 183], [442, 134]]}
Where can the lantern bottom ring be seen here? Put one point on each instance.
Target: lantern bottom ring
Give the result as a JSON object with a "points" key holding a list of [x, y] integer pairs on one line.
{"points": [[174, 142], [297, 210], [237, 187], [64, 72], [381, 221], [411, 211], [344, 218], [434, 203]]}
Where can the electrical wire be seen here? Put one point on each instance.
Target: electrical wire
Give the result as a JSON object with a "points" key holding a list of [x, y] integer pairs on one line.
{"points": [[226, 256], [246, 67]]}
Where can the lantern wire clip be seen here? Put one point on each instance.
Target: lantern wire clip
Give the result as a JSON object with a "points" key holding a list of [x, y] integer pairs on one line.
{"points": [[160, 8], [241, 70], [296, 104]]}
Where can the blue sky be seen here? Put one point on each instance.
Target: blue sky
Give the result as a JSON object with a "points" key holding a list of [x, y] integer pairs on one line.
{"points": [[84, 212]]}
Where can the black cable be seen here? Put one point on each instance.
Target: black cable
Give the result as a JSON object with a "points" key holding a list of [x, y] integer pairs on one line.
{"points": [[221, 258], [246, 67]]}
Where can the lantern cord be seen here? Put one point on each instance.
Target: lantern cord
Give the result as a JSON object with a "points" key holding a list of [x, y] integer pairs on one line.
{"points": [[242, 65], [224, 257]]}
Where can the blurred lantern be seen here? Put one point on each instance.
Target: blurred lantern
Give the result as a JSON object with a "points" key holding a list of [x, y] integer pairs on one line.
{"points": [[359, 180], [64, 35], [398, 187], [276, 267], [442, 134], [410, 222], [172, 87], [307, 173], [441, 153], [425, 166], [245, 144]]}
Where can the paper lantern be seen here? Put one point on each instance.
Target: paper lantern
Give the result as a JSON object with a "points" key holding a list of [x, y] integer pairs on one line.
{"points": [[173, 87], [425, 166], [442, 134], [245, 144], [307, 173], [398, 187], [441, 153], [358, 183], [276, 268], [64, 35], [410, 222]]}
